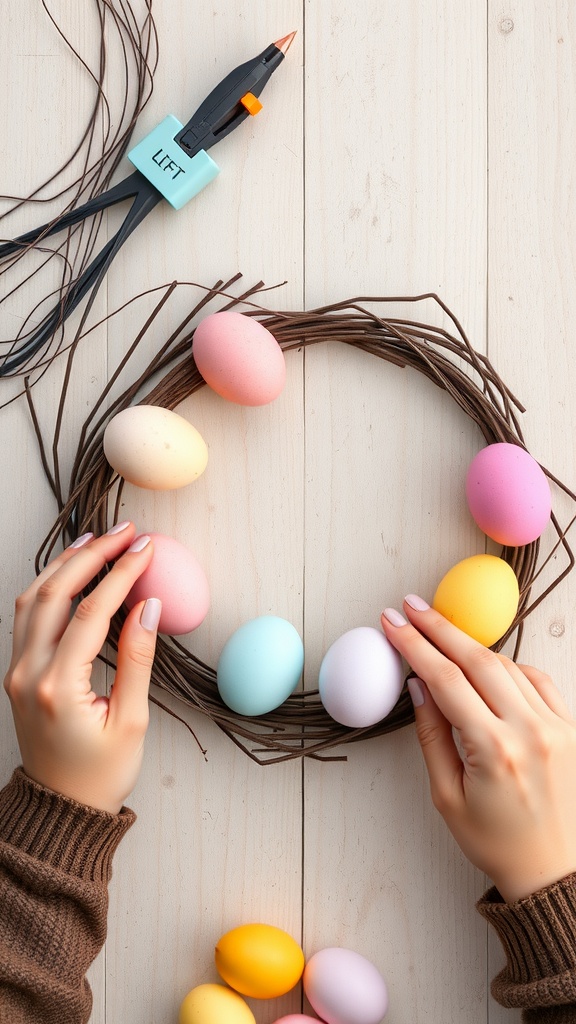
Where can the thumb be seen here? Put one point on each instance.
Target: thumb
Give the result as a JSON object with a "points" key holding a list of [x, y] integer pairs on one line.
{"points": [[441, 756], [136, 648]]}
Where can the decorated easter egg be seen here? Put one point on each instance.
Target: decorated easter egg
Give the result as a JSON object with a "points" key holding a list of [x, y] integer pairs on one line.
{"points": [[259, 960], [479, 595], [260, 665], [239, 358], [508, 494], [155, 448], [344, 987], [214, 1004], [176, 577], [360, 678]]}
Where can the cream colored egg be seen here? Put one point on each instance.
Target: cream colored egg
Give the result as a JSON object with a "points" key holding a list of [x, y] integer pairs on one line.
{"points": [[155, 448]]}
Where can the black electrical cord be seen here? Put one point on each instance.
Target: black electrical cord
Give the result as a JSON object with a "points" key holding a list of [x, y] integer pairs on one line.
{"points": [[145, 197]]}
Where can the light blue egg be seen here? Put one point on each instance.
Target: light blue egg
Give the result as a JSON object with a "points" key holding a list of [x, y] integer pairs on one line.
{"points": [[260, 665]]}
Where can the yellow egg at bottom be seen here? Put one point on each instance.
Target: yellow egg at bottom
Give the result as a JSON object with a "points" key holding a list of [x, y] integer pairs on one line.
{"points": [[479, 595], [214, 1004]]}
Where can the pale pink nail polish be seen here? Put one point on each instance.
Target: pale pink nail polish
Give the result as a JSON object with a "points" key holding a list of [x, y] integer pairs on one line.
{"points": [[394, 617], [151, 612], [81, 541], [139, 544], [416, 691], [118, 528], [417, 603]]}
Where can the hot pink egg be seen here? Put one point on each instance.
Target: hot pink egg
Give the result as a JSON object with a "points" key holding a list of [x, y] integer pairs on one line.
{"points": [[176, 577], [239, 358], [508, 494]]}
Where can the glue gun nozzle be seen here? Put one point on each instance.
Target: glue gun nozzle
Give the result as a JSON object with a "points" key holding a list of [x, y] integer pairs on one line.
{"points": [[284, 43]]}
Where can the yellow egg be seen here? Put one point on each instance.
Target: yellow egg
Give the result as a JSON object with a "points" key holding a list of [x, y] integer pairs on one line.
{"points": [[479, 595], [214, 1004], [154, 447], [259, 960]]}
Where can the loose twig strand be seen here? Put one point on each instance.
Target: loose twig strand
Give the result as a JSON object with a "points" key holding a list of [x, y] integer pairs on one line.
{"points": [[125, 53], [300, 727]]}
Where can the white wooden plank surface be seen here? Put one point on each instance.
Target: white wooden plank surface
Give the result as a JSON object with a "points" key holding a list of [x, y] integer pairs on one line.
{"points": [[395, 218], [45, 104], [401, 149], [532, 285]]}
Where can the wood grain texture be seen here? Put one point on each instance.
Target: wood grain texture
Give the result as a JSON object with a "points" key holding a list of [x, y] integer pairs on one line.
{"points": [[401, 149], [388, 210], [532, 285]]}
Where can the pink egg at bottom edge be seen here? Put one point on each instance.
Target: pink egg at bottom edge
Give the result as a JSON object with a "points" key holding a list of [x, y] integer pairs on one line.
{"points": [[176, 577], [297, 1018], [239, 358], [343, 987]]}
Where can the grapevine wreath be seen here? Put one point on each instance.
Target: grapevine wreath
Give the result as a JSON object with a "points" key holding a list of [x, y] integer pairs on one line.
{"points": [[300, 726]]}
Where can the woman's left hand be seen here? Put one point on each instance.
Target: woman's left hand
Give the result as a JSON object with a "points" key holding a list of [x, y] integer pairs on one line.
{"points": [[507, 790], [72, 741]]}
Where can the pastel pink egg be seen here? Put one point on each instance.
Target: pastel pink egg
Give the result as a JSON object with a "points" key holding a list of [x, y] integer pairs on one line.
{"points": [[239, 358], [508, 494], [176, 577], [297, 1018]]}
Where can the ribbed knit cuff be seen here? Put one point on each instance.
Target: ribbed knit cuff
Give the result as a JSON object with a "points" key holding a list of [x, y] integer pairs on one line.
{"points": [[538, 935], [58, 831]]}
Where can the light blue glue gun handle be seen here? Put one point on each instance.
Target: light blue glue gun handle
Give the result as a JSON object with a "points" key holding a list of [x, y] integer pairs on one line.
{"points": [[166, 166]]}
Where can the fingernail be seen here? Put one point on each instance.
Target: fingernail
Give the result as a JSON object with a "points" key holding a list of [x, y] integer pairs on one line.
{"points": [[118, 528], [139, 544], [394, 617], [150, 616], [416, 691], [417, 603], [81, 541]]}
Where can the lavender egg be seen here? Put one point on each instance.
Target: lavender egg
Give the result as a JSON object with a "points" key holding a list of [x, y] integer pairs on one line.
{"points": [[360, 678]]}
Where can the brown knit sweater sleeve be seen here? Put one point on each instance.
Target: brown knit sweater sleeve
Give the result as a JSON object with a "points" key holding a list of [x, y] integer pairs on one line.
{"points": [[55, 865], [538, 935]]}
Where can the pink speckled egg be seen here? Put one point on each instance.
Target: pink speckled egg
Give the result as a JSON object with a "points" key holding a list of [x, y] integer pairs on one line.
{"points": [[508, 494], [239, 358], [176, 577], [344, 988]]}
